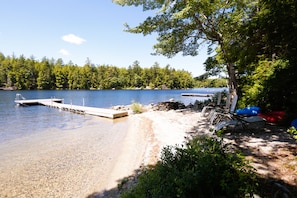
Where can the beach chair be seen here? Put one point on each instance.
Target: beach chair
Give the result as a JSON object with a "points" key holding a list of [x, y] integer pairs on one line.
{"points": [[208, 108], [242, 117], [219, 114], [235, 120]]}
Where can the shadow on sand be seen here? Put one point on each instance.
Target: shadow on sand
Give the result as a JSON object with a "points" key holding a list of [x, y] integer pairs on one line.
{"points": [[123, 185], [270, 149]]}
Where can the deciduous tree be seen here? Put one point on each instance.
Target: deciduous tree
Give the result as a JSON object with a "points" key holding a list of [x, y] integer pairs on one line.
{"points": [[185, 25]]}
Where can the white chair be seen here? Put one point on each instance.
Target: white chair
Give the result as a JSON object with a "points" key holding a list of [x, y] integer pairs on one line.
{"points": [[208, 108], [220, 120], [219, 114], [235, 121]]}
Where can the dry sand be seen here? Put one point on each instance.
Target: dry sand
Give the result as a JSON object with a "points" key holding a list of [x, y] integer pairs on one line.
{"points": [[148, 133]]}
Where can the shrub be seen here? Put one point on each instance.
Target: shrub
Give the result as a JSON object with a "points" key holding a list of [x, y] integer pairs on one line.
{"points": [[204, 168], [136, 107], [293, 131]]}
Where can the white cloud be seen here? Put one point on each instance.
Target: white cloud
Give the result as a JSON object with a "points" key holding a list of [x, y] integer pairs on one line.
{"points": [[64, 52], [71, 38]]}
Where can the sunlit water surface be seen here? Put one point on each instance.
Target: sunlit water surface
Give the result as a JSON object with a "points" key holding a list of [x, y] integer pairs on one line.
{"points": [[17, 121]]}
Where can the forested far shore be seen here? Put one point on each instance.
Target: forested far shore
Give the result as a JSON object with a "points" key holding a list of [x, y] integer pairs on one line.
{"points": [[29, 74]]}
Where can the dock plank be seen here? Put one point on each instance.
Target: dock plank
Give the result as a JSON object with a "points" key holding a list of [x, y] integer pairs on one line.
{"points": [[197, 94]]}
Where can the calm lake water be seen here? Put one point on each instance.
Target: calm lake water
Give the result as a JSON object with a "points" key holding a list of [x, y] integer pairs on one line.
{"points": [[17, 121]]}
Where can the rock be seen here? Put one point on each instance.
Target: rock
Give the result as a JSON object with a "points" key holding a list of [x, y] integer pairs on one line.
{"points": [[166, 106]]}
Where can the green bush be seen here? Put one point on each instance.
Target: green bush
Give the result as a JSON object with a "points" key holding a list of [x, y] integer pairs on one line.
{"points": [[292, 130], [136, 107], [204, 168]]}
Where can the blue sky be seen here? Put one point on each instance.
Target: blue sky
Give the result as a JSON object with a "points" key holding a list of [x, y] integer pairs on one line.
{"points": [[78, 30]]}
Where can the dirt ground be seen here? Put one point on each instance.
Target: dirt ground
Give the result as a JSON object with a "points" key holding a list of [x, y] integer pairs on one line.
{"points": [[270, 149]]}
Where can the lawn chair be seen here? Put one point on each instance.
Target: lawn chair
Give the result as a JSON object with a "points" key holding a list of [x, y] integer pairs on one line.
{"points": [[218, 114], [235, 120], [242, 117], [208, 108]]}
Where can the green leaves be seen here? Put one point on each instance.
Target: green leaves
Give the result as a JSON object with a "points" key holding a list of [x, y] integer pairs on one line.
{"points": [[204, 168], [183, 26], [49, 74], [146, 4], [293, 131]]}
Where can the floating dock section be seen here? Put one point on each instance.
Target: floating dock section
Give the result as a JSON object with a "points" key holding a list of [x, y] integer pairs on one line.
{"points": [[198, 94], [25, 102], [57, 103]]}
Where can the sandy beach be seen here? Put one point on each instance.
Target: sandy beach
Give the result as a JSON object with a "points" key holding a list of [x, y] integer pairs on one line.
{"points": [[148, 133], [83, 163]]}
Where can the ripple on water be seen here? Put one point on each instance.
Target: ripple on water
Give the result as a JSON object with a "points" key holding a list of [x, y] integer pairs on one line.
{"points": [[36, 119]]}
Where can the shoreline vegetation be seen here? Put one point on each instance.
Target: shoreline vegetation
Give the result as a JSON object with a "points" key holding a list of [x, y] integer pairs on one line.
{"points": [[21, 73], [270, 151]]}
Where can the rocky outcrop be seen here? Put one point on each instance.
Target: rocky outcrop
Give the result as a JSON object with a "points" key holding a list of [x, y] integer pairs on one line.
{"points": [[162, 106], [166, 106]]}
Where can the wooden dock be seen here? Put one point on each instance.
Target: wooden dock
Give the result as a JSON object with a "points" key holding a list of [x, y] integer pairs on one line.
{"points": [[197, 94], [57, 103], [37, 101]]}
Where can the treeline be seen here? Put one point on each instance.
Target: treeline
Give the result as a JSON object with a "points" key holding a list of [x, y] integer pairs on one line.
{"points": [[211, 82], [29, 74]]}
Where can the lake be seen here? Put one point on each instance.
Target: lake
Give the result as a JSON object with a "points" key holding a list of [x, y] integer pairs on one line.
{"points": [[17, 121]]}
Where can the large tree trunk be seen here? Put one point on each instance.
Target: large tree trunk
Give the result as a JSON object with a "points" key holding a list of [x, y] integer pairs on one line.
{"points": [[232, 82], [232, 78]]}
